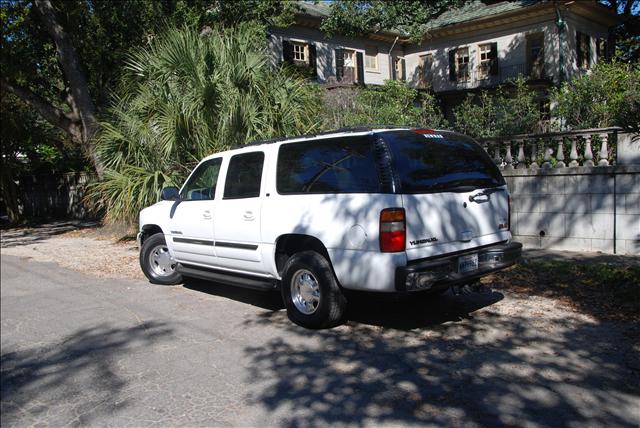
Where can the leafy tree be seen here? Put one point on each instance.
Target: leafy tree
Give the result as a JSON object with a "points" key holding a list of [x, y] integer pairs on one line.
{"points": [[229, 13], [608, 96], [186, 96], [627, 34], [29, 146], [357, 17]]}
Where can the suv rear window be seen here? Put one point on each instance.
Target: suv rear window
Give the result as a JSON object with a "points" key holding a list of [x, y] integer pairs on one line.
{"points": [[333, 165], [440, 162]]}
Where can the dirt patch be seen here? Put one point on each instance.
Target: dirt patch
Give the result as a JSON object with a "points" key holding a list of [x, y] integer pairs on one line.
{"points": [[606, 291], [80, 251]]}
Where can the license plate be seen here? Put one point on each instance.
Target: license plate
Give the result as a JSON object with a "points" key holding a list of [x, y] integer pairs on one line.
{"points": [[468, 263]]}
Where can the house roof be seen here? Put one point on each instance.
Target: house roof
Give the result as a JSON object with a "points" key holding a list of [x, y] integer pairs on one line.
{"points": [[317, 10], [476, 9], [470, 11]]}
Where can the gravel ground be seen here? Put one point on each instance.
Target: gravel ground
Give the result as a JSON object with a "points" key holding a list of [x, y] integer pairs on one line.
{"points": [[84, 250]]}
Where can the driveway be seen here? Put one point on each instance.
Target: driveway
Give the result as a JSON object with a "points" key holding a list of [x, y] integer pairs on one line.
{"points": [[78, 349]]}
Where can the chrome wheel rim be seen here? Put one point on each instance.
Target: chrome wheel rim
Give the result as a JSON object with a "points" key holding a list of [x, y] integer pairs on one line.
{"points": [[305, 292], [161, 262]]}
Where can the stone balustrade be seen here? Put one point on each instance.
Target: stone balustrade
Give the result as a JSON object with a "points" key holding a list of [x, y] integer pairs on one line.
{"points": [[586, 147], [576, 190]]}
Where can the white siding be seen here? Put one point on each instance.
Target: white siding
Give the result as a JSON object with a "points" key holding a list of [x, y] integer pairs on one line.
{"points": [[512, 54], [325, 50], [593, 30]]}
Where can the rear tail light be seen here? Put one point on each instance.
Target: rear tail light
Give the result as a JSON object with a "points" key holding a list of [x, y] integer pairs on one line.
{"points": [[393, 230], [423, 131]]}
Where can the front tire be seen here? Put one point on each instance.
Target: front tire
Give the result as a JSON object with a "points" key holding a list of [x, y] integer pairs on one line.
{"points": [[310, 291], [156, 262]]}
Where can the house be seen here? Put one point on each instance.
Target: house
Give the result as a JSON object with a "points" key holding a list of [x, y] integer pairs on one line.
{"points": [[478, 46]]}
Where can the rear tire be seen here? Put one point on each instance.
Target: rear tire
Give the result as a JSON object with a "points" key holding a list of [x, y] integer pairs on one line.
{"points": [[156, 262], [311, 292]]}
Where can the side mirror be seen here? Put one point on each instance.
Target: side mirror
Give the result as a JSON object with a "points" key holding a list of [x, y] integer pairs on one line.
{"points": [[170, 194]]}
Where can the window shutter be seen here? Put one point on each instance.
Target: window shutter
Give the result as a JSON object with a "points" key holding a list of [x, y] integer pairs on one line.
{"points": [[360, 67], [313, 59], [452, 65], [588, 52], [339, 64], [493, 70], [579, 49], [403, 70], [393, 68], [287, 51]]}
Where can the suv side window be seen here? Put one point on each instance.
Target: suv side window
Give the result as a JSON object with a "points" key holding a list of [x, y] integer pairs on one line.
{"points": [[333, 165], [202, 183], [244, 176]]}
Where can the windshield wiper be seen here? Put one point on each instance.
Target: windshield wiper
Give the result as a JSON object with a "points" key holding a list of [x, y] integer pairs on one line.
{"points": [[460, 189]]}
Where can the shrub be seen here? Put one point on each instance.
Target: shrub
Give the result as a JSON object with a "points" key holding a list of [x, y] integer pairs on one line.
{"points": [[394, 103], [511, 109], [607, 96]]}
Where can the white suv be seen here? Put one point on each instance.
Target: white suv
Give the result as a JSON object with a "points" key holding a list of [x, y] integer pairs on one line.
{"points": [[392, 210]]}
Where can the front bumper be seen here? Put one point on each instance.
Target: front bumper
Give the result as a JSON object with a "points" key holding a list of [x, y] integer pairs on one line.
{"points": [[437, 273]]}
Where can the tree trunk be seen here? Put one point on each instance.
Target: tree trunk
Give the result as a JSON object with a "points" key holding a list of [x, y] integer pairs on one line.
{"points": [[79, 89]]}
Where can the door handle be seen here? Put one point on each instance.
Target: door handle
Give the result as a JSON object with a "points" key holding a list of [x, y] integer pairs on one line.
{"points": [[206, 215], [248, 215]]}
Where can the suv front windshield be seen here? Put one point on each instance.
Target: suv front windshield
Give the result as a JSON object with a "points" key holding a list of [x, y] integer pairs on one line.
{"points": [[439, 162]]}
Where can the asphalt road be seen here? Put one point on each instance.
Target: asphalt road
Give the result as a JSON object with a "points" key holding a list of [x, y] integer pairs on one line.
{"points": [[77, 350]]}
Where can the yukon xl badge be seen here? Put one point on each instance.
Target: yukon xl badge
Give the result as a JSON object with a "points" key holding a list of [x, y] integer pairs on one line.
{"points": [[423, 241]]}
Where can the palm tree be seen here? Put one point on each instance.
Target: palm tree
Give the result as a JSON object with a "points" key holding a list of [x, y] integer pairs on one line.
{"points": [[186, 96]]}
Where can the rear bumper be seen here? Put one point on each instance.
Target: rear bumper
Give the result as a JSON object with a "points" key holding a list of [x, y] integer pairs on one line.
{"points": [[438, 273]]}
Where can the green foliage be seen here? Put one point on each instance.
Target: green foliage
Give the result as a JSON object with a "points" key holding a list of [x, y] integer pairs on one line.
{"points": [[29, 146], [607, 96], [357, 17], [518, 109], [477, 116], [511, 109], [187, 96], [394, 103], [278, 13]]}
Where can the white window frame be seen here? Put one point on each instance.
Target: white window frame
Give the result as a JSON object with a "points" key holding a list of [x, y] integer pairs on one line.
{"points": [[459, 76], [484, 64], [371, 49], [300, 52]]}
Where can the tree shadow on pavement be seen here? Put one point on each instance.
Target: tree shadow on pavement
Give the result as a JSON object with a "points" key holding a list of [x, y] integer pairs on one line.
{"points": [[448, 368], [82, 367]]}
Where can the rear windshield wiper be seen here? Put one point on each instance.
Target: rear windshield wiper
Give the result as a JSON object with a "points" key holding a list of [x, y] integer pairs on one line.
{"points": [[460, 189]]}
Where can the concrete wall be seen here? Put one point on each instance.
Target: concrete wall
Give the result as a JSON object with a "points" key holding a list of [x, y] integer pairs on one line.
{"points": [[579, 209]]}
